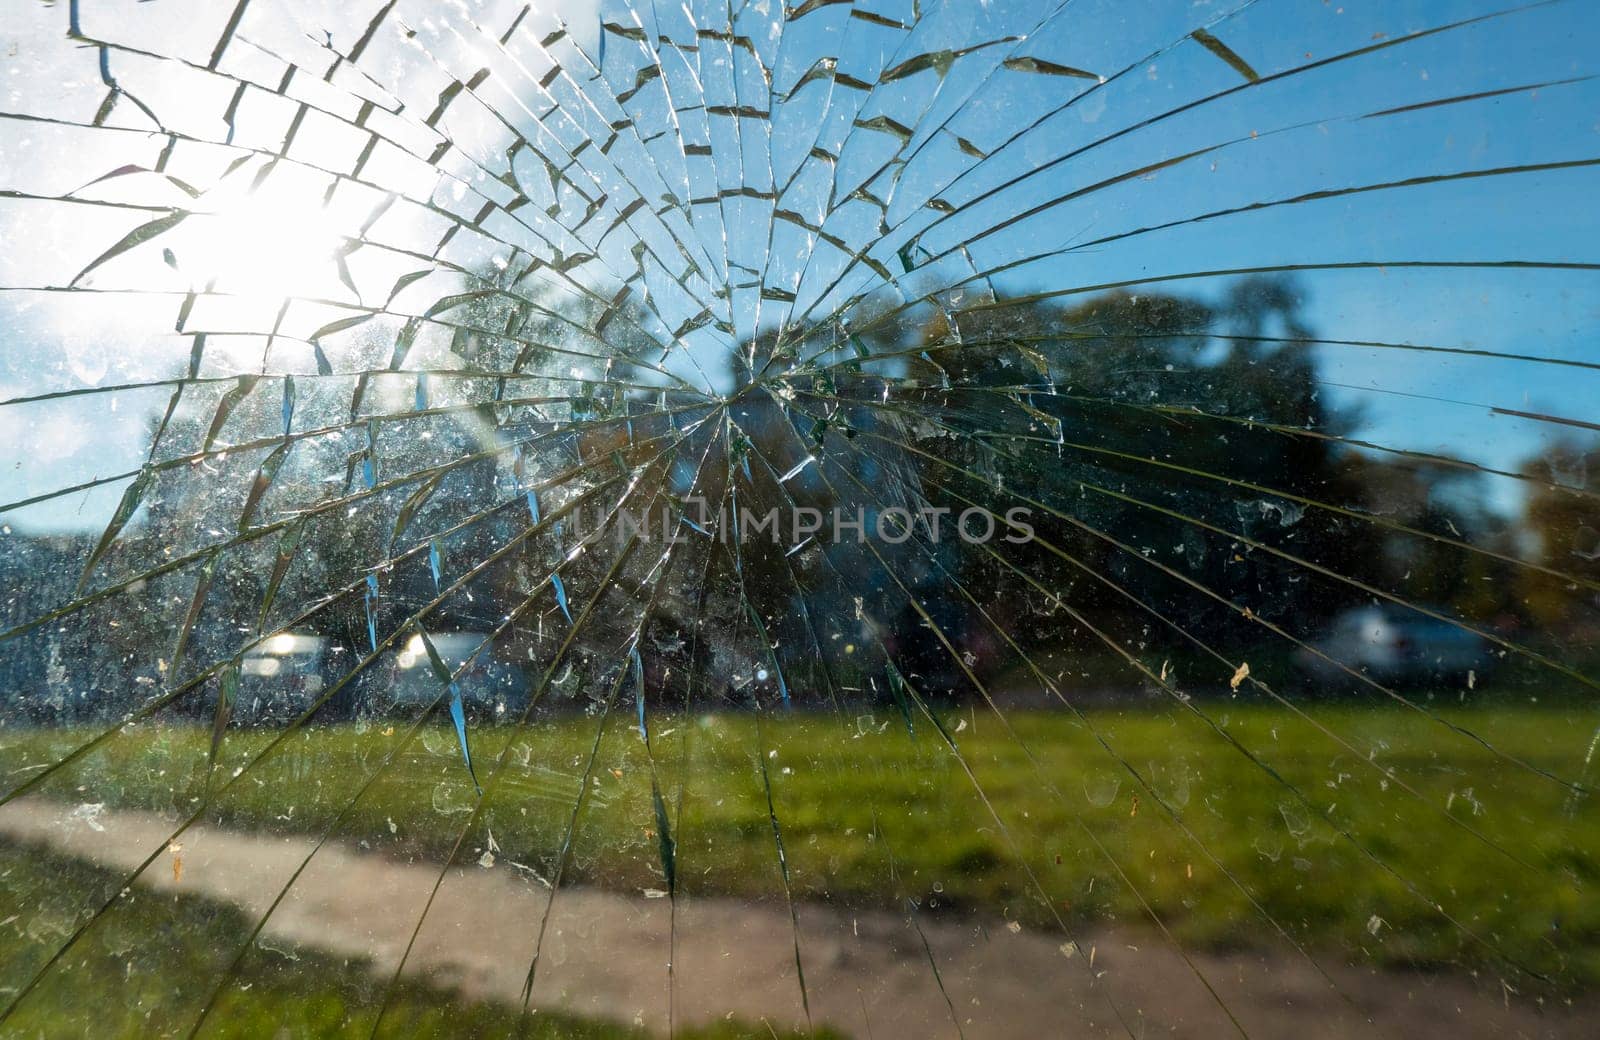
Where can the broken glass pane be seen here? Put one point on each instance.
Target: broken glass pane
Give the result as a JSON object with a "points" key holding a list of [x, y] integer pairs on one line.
{"points": [[853, 518]]}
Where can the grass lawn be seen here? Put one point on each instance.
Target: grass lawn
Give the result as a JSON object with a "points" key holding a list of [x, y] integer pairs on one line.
{"points": [[1402, 843]]}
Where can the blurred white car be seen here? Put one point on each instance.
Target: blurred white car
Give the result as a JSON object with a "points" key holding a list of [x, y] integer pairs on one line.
{"points": [[1393, 645], [281, 677], [489, 688]]}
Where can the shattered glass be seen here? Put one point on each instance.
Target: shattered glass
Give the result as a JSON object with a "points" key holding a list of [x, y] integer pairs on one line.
{"points": [[604, 518]]}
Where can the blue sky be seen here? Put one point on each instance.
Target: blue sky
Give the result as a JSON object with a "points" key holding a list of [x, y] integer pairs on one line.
{"points": [[1314, 131]]}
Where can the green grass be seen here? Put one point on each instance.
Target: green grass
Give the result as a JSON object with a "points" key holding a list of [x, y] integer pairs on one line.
{"points": [[151, 966], [871, 815]]}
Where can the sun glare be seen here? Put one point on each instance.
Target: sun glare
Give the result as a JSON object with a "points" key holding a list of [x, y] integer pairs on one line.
{"points": [[260, 244]]}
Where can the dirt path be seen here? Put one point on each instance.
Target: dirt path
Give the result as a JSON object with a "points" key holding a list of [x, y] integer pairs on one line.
{"points": [[605, 953]]}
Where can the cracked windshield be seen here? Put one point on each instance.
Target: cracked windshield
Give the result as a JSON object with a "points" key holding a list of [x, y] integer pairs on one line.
{"points": [[842, 518]]}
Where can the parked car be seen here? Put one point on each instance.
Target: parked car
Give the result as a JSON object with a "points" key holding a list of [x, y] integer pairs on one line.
{"points": [[281, 677], [1396, 646], [490, 688]]}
